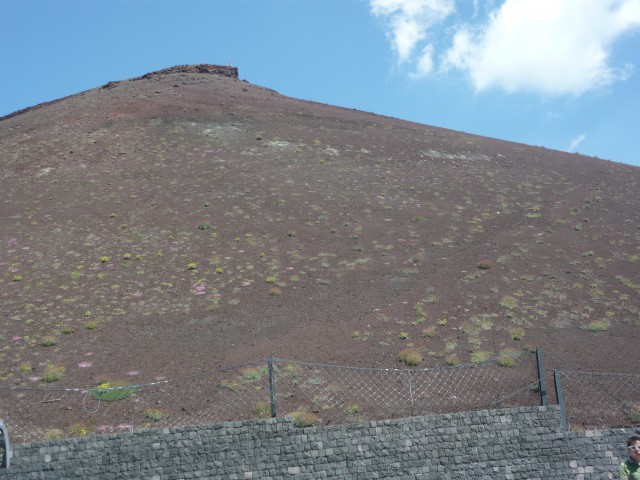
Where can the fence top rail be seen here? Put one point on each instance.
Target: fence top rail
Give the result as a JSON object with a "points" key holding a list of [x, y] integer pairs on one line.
{"points": [[139, 386], [598, 374]]}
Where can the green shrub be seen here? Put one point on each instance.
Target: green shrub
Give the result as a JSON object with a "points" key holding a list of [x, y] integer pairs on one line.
{"points": [[113, 391]]}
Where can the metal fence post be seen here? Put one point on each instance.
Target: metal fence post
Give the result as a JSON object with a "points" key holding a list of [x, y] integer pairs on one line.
{"points": [[560, 396], [5, 446], [541, 380], [272, 387], [410, 393]]}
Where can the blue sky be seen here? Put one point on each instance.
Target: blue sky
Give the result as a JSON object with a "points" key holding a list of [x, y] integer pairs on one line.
{"points": [[564, 74]]}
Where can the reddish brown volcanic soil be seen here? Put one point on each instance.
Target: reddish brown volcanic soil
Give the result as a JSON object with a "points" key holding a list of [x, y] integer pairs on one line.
{"points": [[239, 223]]}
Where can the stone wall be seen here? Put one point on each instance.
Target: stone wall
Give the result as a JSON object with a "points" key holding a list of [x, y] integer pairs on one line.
{"points": [[517, 443]]}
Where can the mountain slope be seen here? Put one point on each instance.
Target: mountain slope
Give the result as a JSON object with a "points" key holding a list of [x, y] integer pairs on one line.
{"points": [[184, 221]]}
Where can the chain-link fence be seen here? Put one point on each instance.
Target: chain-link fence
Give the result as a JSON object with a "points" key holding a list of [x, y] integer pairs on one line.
{"points": [[596, 399], [320, 394], [226, 394], [312, 393], [338, 394]]}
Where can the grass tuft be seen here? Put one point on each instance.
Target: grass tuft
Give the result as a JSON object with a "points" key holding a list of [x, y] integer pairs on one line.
{"points": [[353, 409], [410, 357], [251, 373], [598, 325], [303, 418], [634, 414], [517, 333], [452, 360], [480, 356], [52, 372], [429, 332], [263, 409], [48, 341], [79, 430], [509, 302], [485, 264], [154, 414]]}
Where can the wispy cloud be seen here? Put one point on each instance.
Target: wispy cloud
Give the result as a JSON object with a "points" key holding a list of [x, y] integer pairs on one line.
{"points": [[425, 62], [552, 47], [409, 21], [573, 146]]}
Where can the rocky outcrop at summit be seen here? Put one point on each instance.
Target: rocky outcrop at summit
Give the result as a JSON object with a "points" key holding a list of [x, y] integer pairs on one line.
{"points": [[227, 71]]}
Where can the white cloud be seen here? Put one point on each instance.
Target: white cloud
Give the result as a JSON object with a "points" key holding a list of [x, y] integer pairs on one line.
{"points": [[408, 21], [548, 46], [553, 47], [424, 66], [573, 146]]}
